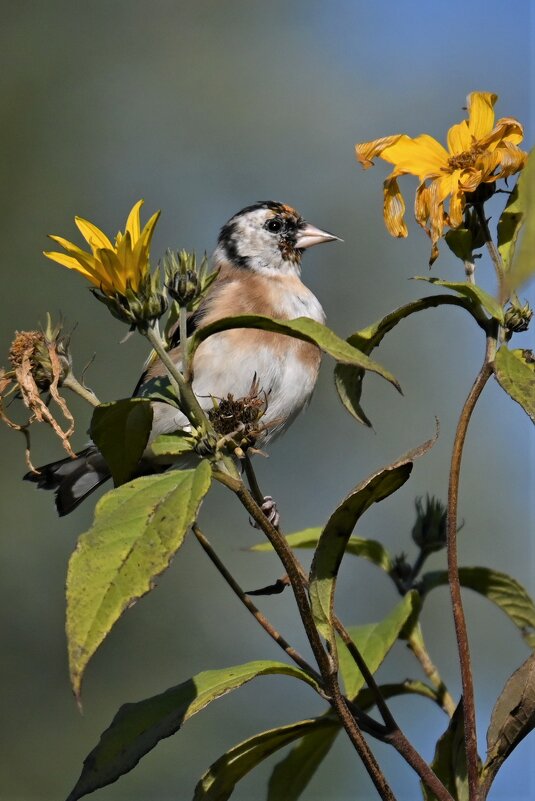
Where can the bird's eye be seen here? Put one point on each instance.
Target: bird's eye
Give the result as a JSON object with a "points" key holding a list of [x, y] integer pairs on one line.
{"points": [[274, 226]]}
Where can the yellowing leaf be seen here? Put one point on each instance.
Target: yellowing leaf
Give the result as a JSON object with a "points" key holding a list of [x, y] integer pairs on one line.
{"points": [[515, 372]]}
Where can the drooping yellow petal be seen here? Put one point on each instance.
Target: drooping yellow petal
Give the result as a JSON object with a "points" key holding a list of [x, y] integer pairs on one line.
{"points": [[506, 129], [93, 235], [394, 208], [133, 226], [480, 113], [422, 156], [459, 138], [367, 151], [456, 210]]}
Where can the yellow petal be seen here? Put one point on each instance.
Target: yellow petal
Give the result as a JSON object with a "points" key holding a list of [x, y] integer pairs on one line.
{"points": [[470, 179], [480, 113], [87, 260], [93, 235], [366, 151], [394, 208], [506, 129], [133, 224], [422, 156], [142, 247], [459, 138], [71, 263], [456, 210], [113, 273]]}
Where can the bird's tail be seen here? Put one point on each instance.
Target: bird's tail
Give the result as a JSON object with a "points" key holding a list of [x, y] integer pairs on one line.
{"points": [[72, 479]]}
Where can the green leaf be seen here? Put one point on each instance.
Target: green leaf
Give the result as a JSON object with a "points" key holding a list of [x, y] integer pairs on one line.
{"points": [[219, 781], [121, 431], [302, 328], [348, 379], [470, 291], [159, 389], [374, 641], [503, 590], [513, 717], [365, 699], [449, 762], [175, 444], [371, 550], [460, 242], [291, 776], [137, 728], [137, 530], [515, 373], [519, 217], [335, 536]]}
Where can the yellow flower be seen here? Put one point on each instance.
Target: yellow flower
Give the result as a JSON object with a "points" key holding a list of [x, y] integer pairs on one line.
{"points": [[113, 268], [479, 151]]}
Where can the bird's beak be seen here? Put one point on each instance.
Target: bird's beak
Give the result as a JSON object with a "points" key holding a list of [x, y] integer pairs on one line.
{"points": [[310, 235]]}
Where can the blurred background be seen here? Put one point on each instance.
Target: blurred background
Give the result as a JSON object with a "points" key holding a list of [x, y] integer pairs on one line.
{"points": [[202, 107]]}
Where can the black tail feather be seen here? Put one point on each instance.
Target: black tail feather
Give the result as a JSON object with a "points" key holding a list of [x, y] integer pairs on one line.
{"points": [[72, 479]]}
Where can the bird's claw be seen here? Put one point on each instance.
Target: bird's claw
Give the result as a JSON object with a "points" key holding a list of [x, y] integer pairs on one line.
{"points": [[269, 508]]}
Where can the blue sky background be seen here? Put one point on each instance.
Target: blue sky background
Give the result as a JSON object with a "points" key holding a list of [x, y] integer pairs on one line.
{"points": [[201, 108]]}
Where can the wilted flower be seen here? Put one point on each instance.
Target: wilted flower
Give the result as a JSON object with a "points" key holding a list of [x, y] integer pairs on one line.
{"points": [[239, 419], [40, 362], [479, 152], [110, 267]]}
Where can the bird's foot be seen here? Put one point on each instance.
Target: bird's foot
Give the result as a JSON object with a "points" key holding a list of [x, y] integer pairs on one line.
{"points": [[269, 508]]}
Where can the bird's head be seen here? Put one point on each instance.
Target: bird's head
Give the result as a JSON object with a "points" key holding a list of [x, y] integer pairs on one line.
{"points": [[268, 238]]}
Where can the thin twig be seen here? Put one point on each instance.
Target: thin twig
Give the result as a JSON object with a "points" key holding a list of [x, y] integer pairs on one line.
{"points": [[470, 733], [418, 764], [246, 601], [494, 253]]}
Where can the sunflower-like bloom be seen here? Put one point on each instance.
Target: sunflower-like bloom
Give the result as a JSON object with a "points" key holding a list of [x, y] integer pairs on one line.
{"points": [[112, 268], [479, 152]]}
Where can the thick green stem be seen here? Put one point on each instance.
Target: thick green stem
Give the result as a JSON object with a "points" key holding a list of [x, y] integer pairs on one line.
{"points": [[72, 383]]}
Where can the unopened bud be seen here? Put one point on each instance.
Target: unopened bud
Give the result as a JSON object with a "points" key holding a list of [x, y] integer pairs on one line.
{"points": [[429, 530], [517, 317], [184, 280]]}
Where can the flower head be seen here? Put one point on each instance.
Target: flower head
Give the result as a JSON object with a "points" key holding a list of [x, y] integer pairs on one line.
{"points": [[480, 151], [112, 268]]}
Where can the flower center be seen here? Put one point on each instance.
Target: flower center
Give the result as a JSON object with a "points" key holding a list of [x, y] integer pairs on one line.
{"points": [[466, 159]]}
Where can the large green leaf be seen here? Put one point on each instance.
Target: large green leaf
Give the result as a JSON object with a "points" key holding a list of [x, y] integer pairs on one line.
{"points": [[503, 590], [121, 431], [348, 379], [291, 776], [374, 641], [515, 372], [513, 717], [519, 219], [137, 531], [302, 328], [371, 550], [335, 536], [470, 291], [176, 444], [449, 762], [137, 728], [219, 781]]}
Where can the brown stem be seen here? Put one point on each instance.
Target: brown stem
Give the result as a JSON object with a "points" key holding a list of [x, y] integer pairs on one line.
{"points": [[418, 764], [417, 646], [470, 734], [246, 601], [325, 662]]}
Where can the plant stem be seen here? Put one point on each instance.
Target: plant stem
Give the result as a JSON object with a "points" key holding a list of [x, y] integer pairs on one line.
{"points": [[494, 253], [470, 733], [325, 662], [72, 383], [246, 601], [470, 271], [417, 646], [183, 327], [409, 753], [188, 400]]}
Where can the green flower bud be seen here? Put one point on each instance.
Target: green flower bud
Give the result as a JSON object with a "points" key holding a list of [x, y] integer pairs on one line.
{"points": [[517, 317], [429, 530], [185, 282]]}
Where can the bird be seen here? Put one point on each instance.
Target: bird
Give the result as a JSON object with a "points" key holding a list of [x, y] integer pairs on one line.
{"points": [[258, 263]]}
